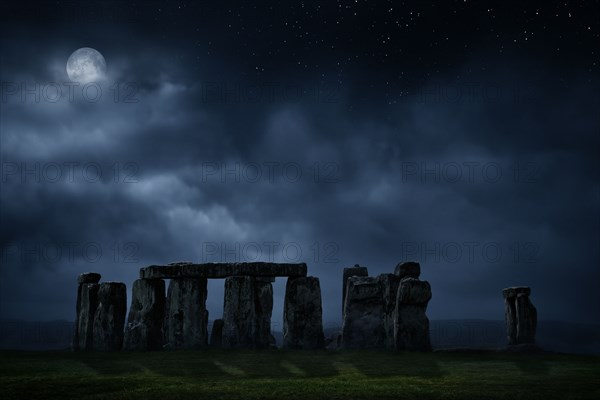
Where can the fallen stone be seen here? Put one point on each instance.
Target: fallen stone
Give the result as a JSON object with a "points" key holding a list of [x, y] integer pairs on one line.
{"points": [[109, 319], [408, 269], [186, 317], [303, 314], [145, 324]]}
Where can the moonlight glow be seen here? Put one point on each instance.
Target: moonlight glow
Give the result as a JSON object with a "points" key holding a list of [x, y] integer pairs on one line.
{"points": [[86, 65]]}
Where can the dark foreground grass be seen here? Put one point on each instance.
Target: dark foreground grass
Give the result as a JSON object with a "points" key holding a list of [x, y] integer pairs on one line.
{"points": [[304, 375]]}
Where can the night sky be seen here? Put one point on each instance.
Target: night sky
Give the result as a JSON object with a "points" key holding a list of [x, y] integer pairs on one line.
{"points": [[460, 134]]}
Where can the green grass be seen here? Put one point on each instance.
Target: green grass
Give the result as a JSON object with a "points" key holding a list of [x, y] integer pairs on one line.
{"points": [[274, 374]]}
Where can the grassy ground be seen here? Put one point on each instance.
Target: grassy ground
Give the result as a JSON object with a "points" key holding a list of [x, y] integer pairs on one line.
{"points": [[303, 375]]}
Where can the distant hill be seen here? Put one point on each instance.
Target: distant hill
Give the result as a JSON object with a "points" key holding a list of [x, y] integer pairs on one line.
{"points": [[567, 337], [35, 335], [558, 336]]}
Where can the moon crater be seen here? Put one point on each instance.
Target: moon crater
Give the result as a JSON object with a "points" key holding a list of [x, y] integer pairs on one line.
{"points": [[86, 65]]}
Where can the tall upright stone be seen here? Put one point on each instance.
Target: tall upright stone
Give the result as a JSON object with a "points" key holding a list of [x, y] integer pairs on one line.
{"points": [[303, 314], [357, 270], [145, 324], [109, 319], [389, 290], [247, 310], [363, 326], [87, 302], [263, 307], [411, 328], [186, 317], [239, 314], [520, 315]]}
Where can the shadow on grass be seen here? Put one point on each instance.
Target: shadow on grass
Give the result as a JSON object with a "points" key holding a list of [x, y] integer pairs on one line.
{"points": [[270, 364], [534, 366], [389, 363]]}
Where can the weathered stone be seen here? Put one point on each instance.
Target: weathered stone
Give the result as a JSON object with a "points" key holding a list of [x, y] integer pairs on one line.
{"points": [[75, 341], [409, 269], [526, 319], [303, 314], [412, 329], [88, 277], [520, 315], [144, 329], [221, 270], [247, 311], [389, 290], [515, 291], [510, 316], [263, 303], [239, 313], [357, 270], [186, 317], [216, 335], [87, 302], [363, 325], [270, 279], [411, 325], [109, 319], [414, 291]]}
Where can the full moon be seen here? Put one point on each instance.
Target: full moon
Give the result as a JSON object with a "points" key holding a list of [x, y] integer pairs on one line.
{"points": [[86, 65]]}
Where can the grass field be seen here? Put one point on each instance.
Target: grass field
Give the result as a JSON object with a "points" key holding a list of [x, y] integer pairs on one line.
{"points": [[305, 375]]}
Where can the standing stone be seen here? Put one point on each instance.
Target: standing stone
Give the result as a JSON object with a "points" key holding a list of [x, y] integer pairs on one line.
{"points": [[303, 314], [216, 335], [389, 290], [87, 303], [186, 317], [144, 329], [239, 314], [363, 325], [408, 269], [109, 318], [85, 278], [263, 303], [247, 310], [357, 270], [520, 315], [411, 328]]}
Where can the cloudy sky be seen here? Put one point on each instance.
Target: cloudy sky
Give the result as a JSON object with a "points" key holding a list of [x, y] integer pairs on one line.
{"points": [[463, 136]]}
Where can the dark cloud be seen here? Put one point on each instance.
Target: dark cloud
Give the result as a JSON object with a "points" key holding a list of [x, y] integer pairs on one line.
{"points": [[488, 176]]}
